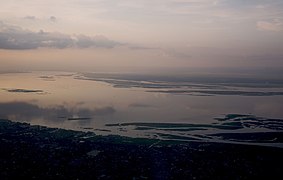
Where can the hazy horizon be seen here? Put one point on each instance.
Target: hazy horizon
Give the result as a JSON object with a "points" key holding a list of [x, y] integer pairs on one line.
{"points": [[126, 35], [141, 89]]}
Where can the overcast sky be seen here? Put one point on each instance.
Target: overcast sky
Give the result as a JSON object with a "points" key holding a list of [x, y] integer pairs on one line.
{"points": [[109, 34]]}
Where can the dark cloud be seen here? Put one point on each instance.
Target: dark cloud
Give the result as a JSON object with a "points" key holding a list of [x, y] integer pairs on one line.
{"points": [[12, 37], [34, 18], [53, 18], [30, 17], [83, 41]]}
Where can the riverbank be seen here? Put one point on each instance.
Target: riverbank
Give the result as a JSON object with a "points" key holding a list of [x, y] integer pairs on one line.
{"points": [[37, 152]]}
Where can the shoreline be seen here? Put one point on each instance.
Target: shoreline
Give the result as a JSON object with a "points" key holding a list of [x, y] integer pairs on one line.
{"points": [[36, 152]]}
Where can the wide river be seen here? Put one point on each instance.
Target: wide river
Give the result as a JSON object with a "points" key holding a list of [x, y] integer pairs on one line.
{"points": [[147, 106]]}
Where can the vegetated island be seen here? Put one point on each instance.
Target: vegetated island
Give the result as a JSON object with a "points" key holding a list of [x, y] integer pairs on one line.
{"points": [[37, 152]]}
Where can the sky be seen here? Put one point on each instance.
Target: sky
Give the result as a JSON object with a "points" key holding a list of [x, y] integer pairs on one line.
{"points": [[103, 35]]}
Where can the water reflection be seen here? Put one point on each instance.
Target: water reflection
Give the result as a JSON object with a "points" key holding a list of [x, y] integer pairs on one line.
{"points": [[140, 105], [23, 111], [136, 104]]}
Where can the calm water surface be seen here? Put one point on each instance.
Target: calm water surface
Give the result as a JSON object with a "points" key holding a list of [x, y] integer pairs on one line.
{"points": [[154, 108]]}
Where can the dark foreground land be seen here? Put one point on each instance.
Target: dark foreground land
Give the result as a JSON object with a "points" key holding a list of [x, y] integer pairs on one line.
{"points": [[36, 152]]}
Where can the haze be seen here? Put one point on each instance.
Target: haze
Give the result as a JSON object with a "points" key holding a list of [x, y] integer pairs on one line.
{"points": [[134, 34]]}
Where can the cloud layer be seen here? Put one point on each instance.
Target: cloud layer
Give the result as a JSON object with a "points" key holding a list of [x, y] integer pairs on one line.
{"points": [[160, 33], [274, 25], [17, 38]]}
